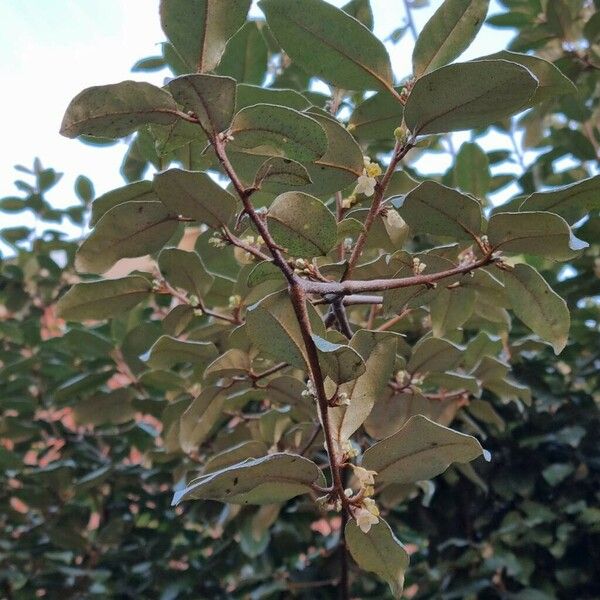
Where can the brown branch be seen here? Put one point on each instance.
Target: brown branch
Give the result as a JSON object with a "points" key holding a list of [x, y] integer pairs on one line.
{"points": [[298, 298], [342, 318], [400, 151], [358, 286], [244, 195], [167, 288], [236, 241], [389, 324]]}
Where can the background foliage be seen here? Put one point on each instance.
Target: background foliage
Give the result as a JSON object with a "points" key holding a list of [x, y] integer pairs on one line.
{"points": [[90, 415]]}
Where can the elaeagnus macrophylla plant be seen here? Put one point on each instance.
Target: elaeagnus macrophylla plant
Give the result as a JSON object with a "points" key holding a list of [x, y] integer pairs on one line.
{"points": [[334, 313]]}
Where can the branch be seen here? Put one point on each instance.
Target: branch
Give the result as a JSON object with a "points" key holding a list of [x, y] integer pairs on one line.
{"points": [[298, 298], [236, 241], [244, 194], [341, 317], [166, 288], [358, 286], [400, 151]]}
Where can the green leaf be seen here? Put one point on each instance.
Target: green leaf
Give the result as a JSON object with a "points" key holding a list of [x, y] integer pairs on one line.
{"points": [[378, 350], [84, 188], [361, 11], [439, 210], [376, 118], [168, 351], [302, 224], [272, 327], [185, 270], [379, 552], [246, 55], [420, 450], [448, 33], [281, 173], [235, 454], [472, 170], [537, 305], [103, 299], [341, 164], [540, 233], [433, 354], [194, 195], [339, 362], [468, 95], [450, 309], [230, 363], [210, 98], [118, 109], [481, 345], [264, 271], [128, 230], [270, 130], [139, 191], [552, 82], [112, 408], [200, 418], [248, 95], [199, 29], [266, 480], [571, 202], [328, 43]]}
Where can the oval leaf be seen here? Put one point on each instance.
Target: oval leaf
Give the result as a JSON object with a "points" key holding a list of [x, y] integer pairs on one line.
{"points": [[537, 305], [272, 327], [185, 270], [209, 97], [199, 29], [448, 34], [379, 552], [339, 362], [330, 44], [126, 231], [103, 299], [439, 210], [266, 480], [552, 82], [420, 450], [168, 351], [277, 173], [139, 191], [118, 109], [571, 202], [376, 118], [539, 233], [468, 95], [302, 224], [272, 130], [195, 195]]}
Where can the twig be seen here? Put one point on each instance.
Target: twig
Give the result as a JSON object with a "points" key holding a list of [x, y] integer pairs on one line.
{"points": [[400, 151]]}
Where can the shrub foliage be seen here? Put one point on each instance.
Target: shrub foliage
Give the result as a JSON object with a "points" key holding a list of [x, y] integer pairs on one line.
{"points": [[309, 330]]}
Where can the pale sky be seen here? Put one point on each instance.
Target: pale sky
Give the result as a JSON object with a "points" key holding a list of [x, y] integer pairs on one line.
{"points": [[52, 49]]}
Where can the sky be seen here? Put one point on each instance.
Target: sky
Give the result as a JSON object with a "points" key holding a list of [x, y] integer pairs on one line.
{"points": [[52, 49]]}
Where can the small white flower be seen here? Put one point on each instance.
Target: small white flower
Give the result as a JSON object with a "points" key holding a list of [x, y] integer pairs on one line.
{"points": [[349, 450], [418, 266], [365, 185], [235, 301], [370, 505], [217, 241], [365, 519], [364, 476], [343, 399]]}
